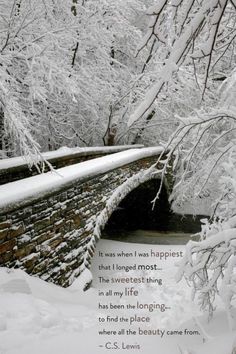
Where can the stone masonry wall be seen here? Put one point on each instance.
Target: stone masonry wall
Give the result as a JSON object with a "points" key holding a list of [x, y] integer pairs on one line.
{"points": [[48, 238]]}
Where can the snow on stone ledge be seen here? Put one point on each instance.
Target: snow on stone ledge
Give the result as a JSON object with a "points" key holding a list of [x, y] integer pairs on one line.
{"points": [[66, 151], [21, 192]]}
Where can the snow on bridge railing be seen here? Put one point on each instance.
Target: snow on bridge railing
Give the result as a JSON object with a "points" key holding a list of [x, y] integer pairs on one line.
{"points": [[65, 152], [25, 191]]}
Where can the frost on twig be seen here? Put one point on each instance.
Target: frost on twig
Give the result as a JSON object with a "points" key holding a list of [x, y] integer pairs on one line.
{"points": [[189, 36], [210, 265]]}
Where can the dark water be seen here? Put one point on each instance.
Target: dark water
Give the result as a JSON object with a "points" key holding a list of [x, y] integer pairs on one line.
{"points": [[149, 237]]}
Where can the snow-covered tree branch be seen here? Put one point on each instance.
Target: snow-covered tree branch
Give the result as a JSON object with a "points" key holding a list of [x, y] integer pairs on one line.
{"points": [[191, 36]]}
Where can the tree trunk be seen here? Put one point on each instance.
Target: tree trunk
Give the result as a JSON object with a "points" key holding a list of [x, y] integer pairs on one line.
{"points": [[1, 129]]}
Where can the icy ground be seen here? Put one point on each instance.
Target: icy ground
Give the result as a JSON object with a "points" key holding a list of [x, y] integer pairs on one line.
{"points": [[37, 317]]}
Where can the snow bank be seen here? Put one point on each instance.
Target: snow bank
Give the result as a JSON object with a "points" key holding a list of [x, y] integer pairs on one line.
{"points": [[35, 313], [38, 317]]}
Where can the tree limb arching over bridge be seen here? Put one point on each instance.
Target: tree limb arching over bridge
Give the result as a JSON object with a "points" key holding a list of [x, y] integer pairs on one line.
{"points": [[50, 223]]}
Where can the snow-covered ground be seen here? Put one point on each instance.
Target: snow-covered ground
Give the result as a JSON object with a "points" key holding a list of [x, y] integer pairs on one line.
{"points": [[37, 317]]}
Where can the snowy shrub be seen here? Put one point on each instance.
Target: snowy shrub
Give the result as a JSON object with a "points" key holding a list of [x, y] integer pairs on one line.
{"points": [[210, 263]]}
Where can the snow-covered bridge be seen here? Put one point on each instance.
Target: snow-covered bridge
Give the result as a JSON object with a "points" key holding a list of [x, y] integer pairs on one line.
{"points": [[50, 223]]}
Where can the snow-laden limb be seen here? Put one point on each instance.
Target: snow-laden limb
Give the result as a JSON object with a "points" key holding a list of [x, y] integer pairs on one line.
{"points": [[32, 75], [191, 34], [200, 146], [16, 122], [204, 146], [228, 288], [210, 266], [69, 71]]}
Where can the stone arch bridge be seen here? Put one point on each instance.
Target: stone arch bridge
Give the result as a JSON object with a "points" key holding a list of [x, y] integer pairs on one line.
{"points": [[50, 223]]}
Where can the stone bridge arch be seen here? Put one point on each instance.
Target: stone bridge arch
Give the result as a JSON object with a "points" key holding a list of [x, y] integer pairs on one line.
{"points": [[53, 233], [137, 212], [115, 199]]}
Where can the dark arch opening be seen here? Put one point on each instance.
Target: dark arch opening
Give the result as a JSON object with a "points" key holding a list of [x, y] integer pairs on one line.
{"points": [[136, 211]]}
